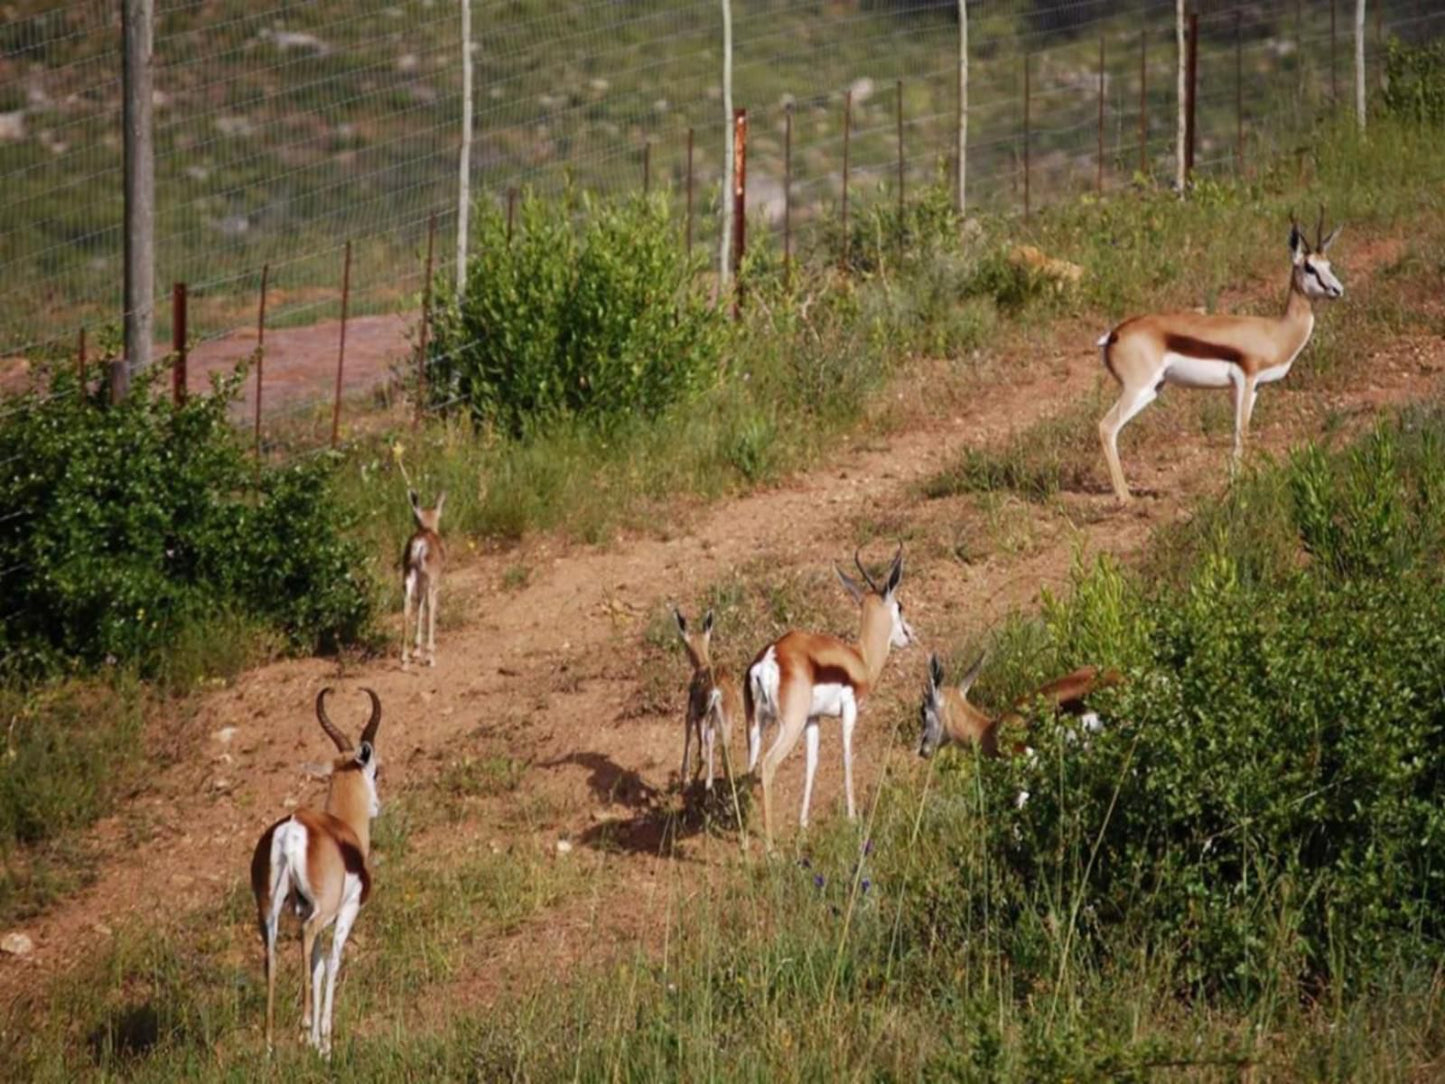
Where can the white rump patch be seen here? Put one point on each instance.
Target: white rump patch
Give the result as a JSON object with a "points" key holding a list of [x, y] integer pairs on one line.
{"points": [[1104, 339], [764, 677], [288, 852], [417, 557]]}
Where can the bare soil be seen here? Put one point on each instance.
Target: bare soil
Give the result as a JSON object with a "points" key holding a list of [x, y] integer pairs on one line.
{"points": [[554, 673]]}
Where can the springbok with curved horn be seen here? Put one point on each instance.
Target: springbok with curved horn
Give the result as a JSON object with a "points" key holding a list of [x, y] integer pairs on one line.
{"points": [[316, 862], [946, 716], [1195, 350], [712, 701], [802, 676], [421, 569]]}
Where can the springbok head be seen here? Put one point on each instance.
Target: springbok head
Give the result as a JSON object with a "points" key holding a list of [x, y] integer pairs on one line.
{"points": [[697, 642], [1312, 274], [354, 762], [933, 712], [427, 519], [880, 603]]}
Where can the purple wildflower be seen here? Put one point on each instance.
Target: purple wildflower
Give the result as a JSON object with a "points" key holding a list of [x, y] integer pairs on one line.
{"points": [[818, 880]]}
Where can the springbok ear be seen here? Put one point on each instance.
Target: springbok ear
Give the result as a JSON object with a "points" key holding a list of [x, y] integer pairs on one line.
{"points": [[364, 754], [412, 497], [895, 574], [973, 671], [935, 675], [852, 586], [681, 621], [441, 500], [707, 624], [1299, 248], [1330, 239]]}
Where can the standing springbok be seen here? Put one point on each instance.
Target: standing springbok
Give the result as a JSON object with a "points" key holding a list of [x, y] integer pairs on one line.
{"points": [[316, 862], [802, 676], [713, 701], [1195, 350], [421, 566], [946, 716]]}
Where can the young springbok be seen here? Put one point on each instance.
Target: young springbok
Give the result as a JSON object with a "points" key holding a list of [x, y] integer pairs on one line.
{"points": [[713, 701], [946, 716], [421, 566], [316, 862], [802, 676], [1194, 350]]}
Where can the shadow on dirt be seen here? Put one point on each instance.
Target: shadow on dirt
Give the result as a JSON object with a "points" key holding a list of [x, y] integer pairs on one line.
{"points": [[660, 826]]}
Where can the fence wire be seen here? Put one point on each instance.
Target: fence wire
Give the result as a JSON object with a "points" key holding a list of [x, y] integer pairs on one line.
{"points": [[285, 130]]}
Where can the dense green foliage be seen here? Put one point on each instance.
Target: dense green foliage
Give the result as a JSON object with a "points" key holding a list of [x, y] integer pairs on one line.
{"points": [[589, 312], [126, 526], [1415, 82], [1266, 799]]}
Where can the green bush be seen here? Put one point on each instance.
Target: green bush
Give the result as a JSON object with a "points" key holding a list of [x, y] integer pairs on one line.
{"points": [[590, 312], [123, 527], [1415, 82], [1263, 806]]}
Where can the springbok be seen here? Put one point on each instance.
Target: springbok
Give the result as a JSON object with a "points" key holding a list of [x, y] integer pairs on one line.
{"points": [[421, 565], [1195, 350], [802, 676], [713, 701], [316, 862], [946, 716]]}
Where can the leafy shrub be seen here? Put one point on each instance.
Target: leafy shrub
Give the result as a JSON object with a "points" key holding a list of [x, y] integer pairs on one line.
{"points": [[124, 526], [1263, 805], [1415, 81], [590, 313]]}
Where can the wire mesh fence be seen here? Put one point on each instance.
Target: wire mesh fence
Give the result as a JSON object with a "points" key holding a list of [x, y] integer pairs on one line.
{"points": [[286, 131]]}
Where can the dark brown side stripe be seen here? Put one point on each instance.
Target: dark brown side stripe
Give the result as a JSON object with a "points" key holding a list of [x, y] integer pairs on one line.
{"points": [[1191, 347]]}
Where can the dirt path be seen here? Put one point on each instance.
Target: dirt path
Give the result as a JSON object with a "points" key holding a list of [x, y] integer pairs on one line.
{"points": [[550, 672]]}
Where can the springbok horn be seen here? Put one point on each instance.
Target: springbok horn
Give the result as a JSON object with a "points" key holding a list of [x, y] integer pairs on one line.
{"points": [[859, 562], [368, 736], [343, 744]]}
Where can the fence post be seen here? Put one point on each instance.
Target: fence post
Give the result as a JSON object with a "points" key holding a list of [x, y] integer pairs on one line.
{"points": [[511, 210], [178, 343], [341, 351], [901, 201], [431, 236], [1099, 172], [962, 150], [647, 167], [1191, 95], [464, 179], [1238, 96], [847, 130], [724, 275], [788, 194], [139, 152], [1181, 128], [80, 362], [689, 191], [1027, 137], [1144, 103], [740, 201], [1334, 68], [1360, 63], [261, 349]]}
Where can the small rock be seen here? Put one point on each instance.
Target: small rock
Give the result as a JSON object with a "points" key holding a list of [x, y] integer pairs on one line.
{"points": [[220, 783], [225, 734], [12, 126], [182, 880], [862, 89], [16, 943], [102, 929], [564, 846], [407, 62]]}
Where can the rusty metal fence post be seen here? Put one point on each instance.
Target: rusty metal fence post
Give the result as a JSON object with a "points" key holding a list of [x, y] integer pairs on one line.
{"points": [[740, 202], [901, 224], [788, 194], [261, 349], [431, 236], [341, 350], [689, 191], [1099, 169], [1027, 163], [847, 129], [1144, 103], [178, 343], [1191, 79]]}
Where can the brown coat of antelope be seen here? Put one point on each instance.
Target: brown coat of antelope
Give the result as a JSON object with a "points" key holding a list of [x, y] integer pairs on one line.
{"points": [[713, 702], [946, 716], [316, 863]]}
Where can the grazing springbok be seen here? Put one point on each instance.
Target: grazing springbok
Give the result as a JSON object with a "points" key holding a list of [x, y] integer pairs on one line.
{"points": [[421, 567], [316, 862], [713, 701], [947, 717], [1195, 350], [802, 676]]}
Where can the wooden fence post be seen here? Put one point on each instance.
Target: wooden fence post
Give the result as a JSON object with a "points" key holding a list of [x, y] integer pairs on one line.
{"points": [[178, 343], [341, 350]]}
